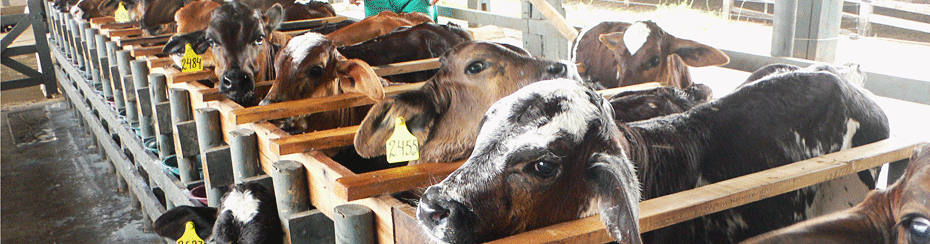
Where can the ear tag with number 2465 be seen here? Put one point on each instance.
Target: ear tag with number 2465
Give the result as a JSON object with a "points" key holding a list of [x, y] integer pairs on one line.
{"points": [[402, 146], [190, 235]]}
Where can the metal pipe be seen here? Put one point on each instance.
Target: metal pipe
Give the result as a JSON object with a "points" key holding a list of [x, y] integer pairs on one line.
{"points": [[209, 136], [354, 224], [243, 147], [181, 112], [140, 73], [158, 85], [783, 28], [290, 189], [126, 85], [92, 54], [66, 33], [103, 64]]}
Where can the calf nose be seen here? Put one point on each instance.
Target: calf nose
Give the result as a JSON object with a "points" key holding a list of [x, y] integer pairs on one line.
{"points": [[438, 210], [557, 69], [235, 81]]}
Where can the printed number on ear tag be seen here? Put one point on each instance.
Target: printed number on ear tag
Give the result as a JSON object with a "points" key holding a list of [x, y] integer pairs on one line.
{"points": [[190, 235], [191, 62], [402, 146], [121, 15]]}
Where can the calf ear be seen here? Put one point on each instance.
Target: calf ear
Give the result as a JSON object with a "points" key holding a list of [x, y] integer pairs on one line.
{"points": [[273, 17], [418, 109], [171, 224], [695, 54], [616, 187], [177, 43], [613, 41], [356, 76]]}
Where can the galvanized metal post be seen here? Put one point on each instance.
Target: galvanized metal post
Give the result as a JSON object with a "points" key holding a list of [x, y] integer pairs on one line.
{"points": [[77, 31], [92, 55], [66, 34], [290, 189], [103, 65], [864, 28], [243, 148], [783, 28], [181, 112], [115, 79], [74, 38], [210, 136], [354, 224], [162, 110], [140, 73], [817, 29], [122, 60]]}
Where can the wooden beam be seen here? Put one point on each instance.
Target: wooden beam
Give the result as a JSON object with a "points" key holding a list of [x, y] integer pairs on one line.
{"points": [[556, 19], [389, 180], [117, 25], [97, 22], [145, 51], [407, 67], [679, 207], [144, 40], [318, 140], [160, 62], [192, 76], [311, 105], [122, 33]]}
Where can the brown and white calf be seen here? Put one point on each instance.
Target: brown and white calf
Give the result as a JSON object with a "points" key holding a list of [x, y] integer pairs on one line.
{"points": [[375, 26], [556, 137], [247, 213], [899, 214], [441, 114], [614, 54], [88, 9], [244, 45], [161, 16]]}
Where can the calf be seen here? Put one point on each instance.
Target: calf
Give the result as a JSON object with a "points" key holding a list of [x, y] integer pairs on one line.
{"points": [[441, 114], [375, 26], [309, 67], [899, 214], [646, 104], [247, 214], [614, 54], [160, 16], [849, 72], [556, 137], [423, 41], [88, 9], [244, 45]]}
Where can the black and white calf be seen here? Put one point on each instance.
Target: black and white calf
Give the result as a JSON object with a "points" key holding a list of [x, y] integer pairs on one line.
{"points": [[551, 153], [646, 104], [247, 214]]}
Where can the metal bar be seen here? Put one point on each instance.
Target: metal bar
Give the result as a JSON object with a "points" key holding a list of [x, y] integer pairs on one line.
{"points": [[17, 51], [864, 27], [216, 169], [354, 224], [140, 73], [243, 146], [181, 112], [290, 189], [783, 28], [161, 108]]}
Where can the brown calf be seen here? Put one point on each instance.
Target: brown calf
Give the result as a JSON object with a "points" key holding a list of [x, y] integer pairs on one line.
{"points": [[88, 9], [899, 214], [615, 54], [375, 26], [442, 114]]}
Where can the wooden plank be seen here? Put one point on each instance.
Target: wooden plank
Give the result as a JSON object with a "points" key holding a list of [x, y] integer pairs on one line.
{"points": [[675, 208], [214, 94], [318, 140], [123, 33], [390, 180], [117, 25], [192, 76], [557, 20], [407, 67], [312, 105], [97, 22], [160, 62], [144, 40], [145, 51]]}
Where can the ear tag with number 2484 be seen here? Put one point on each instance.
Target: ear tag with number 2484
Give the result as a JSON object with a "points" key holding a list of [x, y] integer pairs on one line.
{"points": [[190, 235], [402, 146], [191, 62]]}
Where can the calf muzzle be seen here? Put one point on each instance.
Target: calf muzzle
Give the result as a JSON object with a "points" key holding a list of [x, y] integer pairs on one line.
{"points": [[446, 219]]}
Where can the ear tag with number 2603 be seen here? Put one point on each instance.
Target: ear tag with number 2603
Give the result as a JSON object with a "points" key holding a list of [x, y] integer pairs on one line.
{"points": [[191, 62], [402, 146], [121, 15], [190, 235]]}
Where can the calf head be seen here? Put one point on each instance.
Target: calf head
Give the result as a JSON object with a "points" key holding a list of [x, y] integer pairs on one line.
{"points": [[645, 104], [64, 5], [441, 114], [88, 9], [646, 53], [535, 146], [158, 16], [247, 214], [240, 38]]}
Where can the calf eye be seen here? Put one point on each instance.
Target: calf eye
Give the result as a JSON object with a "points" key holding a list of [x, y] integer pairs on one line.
{"points": [[315, 71], [211, 42], [260, 40], [475, 67], [919, 230], [654, 61], [544, 169]]}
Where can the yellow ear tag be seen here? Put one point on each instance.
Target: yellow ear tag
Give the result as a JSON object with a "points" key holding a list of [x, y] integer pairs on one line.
{"points": [[191, 62], [121, 14], [190, 235], [402, 146]]}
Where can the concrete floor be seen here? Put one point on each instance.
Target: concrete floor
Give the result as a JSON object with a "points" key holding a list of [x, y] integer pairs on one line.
{"points": [[55, 188]]}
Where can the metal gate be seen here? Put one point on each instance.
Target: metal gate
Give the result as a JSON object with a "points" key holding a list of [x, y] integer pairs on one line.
{"points": [[35, 18]]}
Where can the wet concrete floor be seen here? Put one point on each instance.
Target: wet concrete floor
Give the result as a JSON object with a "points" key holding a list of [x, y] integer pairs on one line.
{"points": [[55, 187]]}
